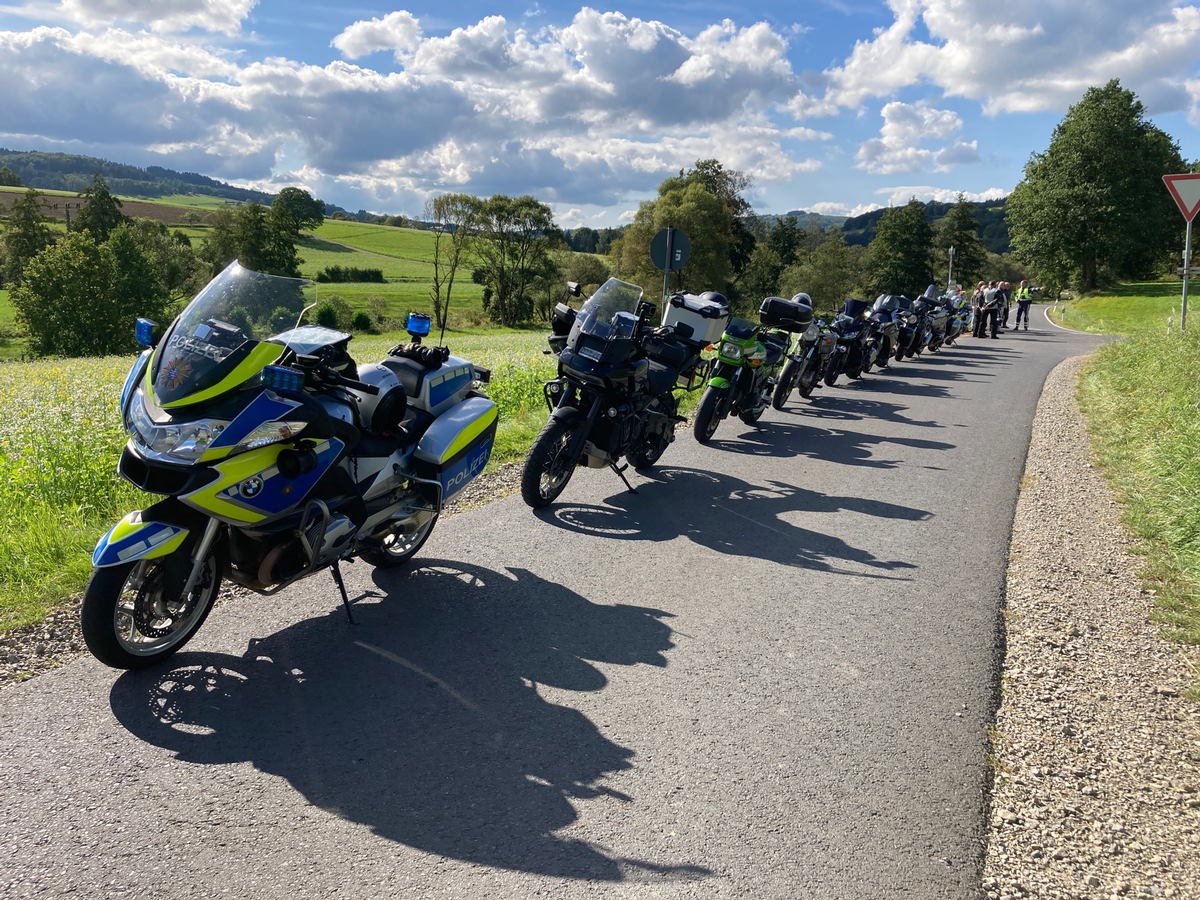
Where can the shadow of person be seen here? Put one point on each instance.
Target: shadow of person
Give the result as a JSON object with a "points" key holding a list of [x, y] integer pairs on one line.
{"points": [[426, 720], [731, 516]]}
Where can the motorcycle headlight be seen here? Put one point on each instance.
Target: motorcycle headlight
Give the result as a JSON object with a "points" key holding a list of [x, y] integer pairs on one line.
{"points": [[180, 441], [810, 333], [733, 351]]}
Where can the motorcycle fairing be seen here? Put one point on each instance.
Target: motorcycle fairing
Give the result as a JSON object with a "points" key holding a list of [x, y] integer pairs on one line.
{"points": [[250, 489], [266, 407], [133, 539], [259, 356]]}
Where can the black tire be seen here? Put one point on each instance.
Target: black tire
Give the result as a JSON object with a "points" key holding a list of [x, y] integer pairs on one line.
{"points": [[854, 372], [885, 353], [548, 468], [398, 548], [787, 381], [831, 374], [131, 627], [710, 412], [651, 447]]}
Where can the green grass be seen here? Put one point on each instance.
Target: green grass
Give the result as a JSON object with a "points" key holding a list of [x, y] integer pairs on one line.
{"points": [[1136, 308], [1142, 403]]}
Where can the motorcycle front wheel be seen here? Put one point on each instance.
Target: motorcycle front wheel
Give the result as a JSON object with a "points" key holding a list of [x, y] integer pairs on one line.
{"points": [[713, 406], [650, 447], [550, 465], [130, 622], [808, 380], [397, 548], [787, 381]]}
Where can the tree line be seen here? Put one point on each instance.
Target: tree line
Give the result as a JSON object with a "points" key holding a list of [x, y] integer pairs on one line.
{"points": [[1090, 210], [78, 294]]}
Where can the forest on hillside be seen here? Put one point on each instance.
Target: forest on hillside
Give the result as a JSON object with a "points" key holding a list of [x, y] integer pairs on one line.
{"points": [[993, 229], [71, 172]]}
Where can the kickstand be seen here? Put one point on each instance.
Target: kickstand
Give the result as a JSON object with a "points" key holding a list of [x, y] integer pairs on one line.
{"points": [[621, 474], [337, 577]]}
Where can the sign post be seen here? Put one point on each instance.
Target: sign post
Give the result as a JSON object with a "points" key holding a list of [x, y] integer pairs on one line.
{"points": [[1186, 191], [669, 250]]}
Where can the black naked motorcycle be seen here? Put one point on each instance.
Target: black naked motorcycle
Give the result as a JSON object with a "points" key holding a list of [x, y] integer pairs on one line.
{"points": [[856, 349], [614, 396], [807, 358]]}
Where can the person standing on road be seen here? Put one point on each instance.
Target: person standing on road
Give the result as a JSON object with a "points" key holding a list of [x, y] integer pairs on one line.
{"points": [[989, 312], [977, 311], [1024, 298], [1004, 292]]}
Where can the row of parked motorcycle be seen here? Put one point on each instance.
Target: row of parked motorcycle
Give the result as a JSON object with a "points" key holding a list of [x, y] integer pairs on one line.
{"points": [[618, 369], [277, 455]]}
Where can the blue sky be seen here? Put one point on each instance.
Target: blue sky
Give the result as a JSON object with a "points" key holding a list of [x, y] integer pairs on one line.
{"points": [[834, 106]]}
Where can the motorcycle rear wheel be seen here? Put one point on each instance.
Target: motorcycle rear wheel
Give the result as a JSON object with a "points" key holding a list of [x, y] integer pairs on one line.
{"points": [[651, 447], [787, 381], [128, 625], [713, 406], [398, 548], [548, 467]]}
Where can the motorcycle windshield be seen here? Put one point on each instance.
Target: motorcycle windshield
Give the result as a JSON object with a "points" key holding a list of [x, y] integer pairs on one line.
{"points": [[219, 340], [601, 316]]}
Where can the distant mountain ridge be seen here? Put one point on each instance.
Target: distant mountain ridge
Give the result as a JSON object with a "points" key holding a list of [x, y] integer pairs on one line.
{"points": [[73, 172]]}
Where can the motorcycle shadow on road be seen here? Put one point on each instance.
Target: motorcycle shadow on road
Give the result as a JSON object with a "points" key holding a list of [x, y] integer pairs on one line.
{"points": [[425, 720], [732, 516], [788, 439]]}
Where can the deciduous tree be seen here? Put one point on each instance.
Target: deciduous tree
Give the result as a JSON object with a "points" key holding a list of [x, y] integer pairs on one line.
{"points": [[101, 213], [453, 216], [1093, 206], [515, 234]]}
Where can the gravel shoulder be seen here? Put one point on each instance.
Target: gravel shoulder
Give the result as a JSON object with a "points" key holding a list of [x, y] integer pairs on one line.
{"points": [[1096, 754]]}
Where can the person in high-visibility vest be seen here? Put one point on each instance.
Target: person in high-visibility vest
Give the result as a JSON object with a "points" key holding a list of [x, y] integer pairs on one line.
{"points": [[1024, 298]]}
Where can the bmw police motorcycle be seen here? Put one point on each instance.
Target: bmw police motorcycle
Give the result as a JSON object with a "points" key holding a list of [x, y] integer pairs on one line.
{"points": [[275, 456]]}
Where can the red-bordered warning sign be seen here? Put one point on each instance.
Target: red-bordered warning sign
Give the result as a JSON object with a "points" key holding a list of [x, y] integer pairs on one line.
{"points": [[1186, 191]]}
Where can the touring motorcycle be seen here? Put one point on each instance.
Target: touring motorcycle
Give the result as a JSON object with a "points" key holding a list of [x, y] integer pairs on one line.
{"points": [[276, 456], [614, 396]]}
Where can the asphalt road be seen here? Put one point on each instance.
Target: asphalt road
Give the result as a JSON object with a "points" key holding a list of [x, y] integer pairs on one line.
{"points": [[767, 673]]}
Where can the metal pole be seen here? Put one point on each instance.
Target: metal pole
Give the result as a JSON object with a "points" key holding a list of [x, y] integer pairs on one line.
{"points": [[1187, 261], [667, 267], [950, 273]]}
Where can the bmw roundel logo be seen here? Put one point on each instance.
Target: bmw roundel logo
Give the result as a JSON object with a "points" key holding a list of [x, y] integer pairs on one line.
{"points": [[251, 487]]}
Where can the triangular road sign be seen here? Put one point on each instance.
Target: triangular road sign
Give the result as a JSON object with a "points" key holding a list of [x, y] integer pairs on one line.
{"points": [[1186, 191]]}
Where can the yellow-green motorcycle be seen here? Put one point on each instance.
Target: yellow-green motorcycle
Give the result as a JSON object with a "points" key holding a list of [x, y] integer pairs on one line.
{"points": [[746, 368], [276, 456]]}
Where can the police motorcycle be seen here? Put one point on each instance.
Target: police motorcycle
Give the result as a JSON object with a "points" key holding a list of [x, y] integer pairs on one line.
{"points": [[856, 349], [885, 327], [958, 316], [614, 396], [275, 456], [937, 315], [808, 356]]}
